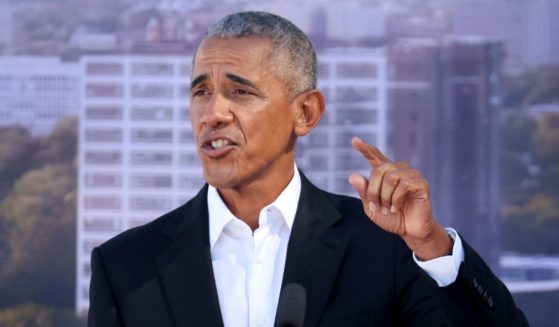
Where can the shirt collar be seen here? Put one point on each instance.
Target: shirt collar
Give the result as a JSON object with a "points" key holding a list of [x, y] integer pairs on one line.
{"points": [[286, 203]]}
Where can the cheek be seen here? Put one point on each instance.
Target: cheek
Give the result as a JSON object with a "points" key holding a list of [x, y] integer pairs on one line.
{"points": [[194, 116]]}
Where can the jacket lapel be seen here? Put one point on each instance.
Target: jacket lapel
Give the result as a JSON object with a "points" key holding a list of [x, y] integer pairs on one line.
{"points": [[185, 268], [315, 249]]}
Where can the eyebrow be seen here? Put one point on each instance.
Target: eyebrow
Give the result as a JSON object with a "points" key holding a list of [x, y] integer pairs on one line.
{"points": [[240, 80], [235, 78], [198, 80]]}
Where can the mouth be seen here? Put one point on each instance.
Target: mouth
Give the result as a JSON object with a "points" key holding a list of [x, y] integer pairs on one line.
{"points": [[219, 143], [216, 147]]}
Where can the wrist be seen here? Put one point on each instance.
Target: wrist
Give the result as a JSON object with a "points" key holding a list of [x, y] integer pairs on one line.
{"points": [[434, 245]]}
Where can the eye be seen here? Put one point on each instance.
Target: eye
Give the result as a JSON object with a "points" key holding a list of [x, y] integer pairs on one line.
{"points": [[241, 91], [198, 92]]}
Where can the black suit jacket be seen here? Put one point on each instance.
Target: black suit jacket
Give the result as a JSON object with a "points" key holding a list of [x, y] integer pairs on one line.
{"points": [[354, 273]]}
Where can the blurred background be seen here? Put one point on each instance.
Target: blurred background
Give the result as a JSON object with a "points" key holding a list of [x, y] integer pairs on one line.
{"points": [[95, 136]]}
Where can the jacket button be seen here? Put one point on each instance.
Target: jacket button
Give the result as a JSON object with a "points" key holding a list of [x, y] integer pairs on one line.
{"points": [[479, 289]]}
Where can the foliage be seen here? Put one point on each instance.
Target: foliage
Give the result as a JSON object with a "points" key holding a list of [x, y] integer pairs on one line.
{"points": [[537, 86], [32, 315], [532, 228], [530, 163], [16, 153], [37, 217]]}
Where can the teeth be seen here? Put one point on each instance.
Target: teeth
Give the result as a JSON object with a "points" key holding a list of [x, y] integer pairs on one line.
{"points": [[216, 144]]}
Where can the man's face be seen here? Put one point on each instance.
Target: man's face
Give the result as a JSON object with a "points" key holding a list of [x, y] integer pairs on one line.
{"points": [[240, 112]]}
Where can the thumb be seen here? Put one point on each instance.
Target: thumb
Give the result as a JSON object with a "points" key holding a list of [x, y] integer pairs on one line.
{"points": [[360, 184]]}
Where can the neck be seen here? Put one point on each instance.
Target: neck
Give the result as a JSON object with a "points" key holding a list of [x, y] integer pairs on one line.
{"points": [[247, 201]]}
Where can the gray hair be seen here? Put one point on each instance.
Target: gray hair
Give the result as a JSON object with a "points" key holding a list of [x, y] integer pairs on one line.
{"points": [[297, 58]]}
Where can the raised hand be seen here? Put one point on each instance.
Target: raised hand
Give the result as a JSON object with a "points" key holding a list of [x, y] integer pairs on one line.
{"points": [[396, 198]]}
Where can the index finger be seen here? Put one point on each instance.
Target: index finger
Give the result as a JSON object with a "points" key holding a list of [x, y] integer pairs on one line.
{"points": [[373, 155]]}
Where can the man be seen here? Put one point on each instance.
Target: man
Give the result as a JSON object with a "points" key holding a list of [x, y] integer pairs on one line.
{"points": [[222, 258]]}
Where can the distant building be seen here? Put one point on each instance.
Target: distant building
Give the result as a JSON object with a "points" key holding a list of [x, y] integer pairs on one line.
{"points": [[354, 83], [443, 115], [35, 92], [6, 37], [137, 155], [527, 28], [137, 158]]}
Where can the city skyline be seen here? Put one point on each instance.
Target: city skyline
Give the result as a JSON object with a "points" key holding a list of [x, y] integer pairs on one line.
{"points": [[421, 80]]}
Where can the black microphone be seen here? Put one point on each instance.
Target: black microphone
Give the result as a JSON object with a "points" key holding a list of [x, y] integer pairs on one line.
{"points": [[291, 306]]}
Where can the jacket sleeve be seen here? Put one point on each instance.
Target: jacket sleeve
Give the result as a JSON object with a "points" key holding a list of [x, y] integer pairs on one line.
{"points": [[103, 311], [477, 297]]}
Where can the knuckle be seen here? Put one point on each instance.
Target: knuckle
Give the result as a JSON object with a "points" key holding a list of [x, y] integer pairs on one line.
{"points": [[407, 183], [403, 164], [372, 193], [390, 179], [386, 167]]}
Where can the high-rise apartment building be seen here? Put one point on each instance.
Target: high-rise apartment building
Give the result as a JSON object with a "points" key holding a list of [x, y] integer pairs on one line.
{"points": [[35, 92], [444, 104], [354, 83], [137, 157]]}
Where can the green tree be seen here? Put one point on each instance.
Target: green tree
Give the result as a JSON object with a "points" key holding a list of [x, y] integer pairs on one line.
{"points": [[38, 225], [530, 163], [32, 315], [546, 149], [17, 149], [532, 228], [536, 86]]}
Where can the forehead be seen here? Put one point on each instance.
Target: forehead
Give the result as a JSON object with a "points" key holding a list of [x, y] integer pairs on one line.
{"points": [[248, 55]]}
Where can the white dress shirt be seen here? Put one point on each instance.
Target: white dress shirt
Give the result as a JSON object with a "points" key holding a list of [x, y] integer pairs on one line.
{"points": [[248, 267]]}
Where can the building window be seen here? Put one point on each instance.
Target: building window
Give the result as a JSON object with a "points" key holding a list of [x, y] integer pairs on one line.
{"points": [[185, 70], [187, 136], [103, 135], [152, 135], [318, 162], [152, 69], [150, 203], [357, 70], [184, 114], [145, 158], [350, 161], [318, 139], [103, 112], [323, 70], [356, 116], [152, 113], [342, 185], [151, 181], [89, 245], [102, 180], [343, 139], [189, 159], [103, 90], [191, 182], [103, 157], [152, 91], [101, 202], [100, 224], [103, 68], [356, 94]]}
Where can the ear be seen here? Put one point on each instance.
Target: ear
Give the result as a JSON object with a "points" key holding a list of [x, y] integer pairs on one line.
{"points": [[309, 107]]}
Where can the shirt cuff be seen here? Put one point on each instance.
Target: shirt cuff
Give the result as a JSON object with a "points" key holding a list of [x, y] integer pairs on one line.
{"points": [[444, 270]]}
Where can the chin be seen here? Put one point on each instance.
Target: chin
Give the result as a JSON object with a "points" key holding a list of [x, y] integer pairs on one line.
{"points": [[220, 180]]}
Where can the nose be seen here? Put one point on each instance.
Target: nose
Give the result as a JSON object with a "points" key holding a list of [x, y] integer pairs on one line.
{"points": [[217, 112]]}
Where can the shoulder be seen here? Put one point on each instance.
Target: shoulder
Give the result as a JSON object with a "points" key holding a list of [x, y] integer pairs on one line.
{"points": [[154, 236], [145, 237]]}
